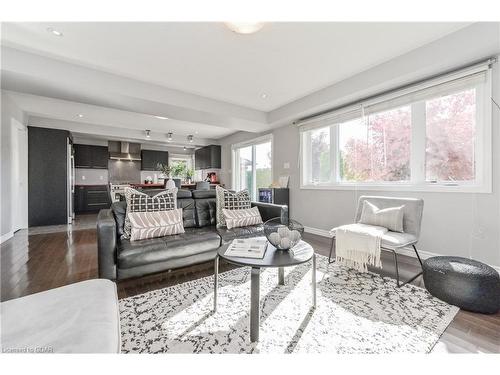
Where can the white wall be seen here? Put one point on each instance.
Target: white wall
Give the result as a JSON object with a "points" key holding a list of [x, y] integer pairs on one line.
{"points": [[11, 117], [462, 224]]}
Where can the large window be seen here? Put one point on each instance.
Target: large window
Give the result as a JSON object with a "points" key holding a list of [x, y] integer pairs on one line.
{"points": [[252, 165], [181, 164], [433, 139]]}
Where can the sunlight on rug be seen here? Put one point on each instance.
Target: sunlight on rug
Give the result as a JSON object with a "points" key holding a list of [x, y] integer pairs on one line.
{"points": [[356, 313]]}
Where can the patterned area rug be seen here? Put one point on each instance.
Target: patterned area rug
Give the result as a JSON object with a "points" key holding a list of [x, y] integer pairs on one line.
{"points": [[356, 313]]}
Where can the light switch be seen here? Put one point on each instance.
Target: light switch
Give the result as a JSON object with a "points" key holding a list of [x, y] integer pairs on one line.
{"points": [[286, 165]]}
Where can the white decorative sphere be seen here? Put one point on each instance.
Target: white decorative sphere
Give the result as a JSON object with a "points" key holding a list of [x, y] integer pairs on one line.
{"points": [[284, 232], [274, 238], [294, 235], [285, 243]]}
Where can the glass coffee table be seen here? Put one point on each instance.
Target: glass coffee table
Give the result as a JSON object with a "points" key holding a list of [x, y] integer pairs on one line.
{"points": [[273, 258]]}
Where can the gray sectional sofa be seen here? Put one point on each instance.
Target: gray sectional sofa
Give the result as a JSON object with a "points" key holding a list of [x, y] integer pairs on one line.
{"points": [[121, 259]]}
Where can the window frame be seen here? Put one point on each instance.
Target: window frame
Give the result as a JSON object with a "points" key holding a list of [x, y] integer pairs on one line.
{"points": [[189, 158], [268, 138], [417, 182]]}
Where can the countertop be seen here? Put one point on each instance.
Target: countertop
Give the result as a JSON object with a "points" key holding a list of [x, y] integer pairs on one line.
{"points": [[147, 185], [91, 185]]}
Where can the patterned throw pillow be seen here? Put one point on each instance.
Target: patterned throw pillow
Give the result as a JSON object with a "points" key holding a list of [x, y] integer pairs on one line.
{"points": [[155, 224], [390, 218], [141, 202], [241, 218], [230, 201]]}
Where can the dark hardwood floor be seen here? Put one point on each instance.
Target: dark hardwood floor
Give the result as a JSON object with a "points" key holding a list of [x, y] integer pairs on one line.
{"points": [[43, 258]]}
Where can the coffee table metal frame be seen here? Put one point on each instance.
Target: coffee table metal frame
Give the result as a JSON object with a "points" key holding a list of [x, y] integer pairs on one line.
{"points": [[274, 258]]}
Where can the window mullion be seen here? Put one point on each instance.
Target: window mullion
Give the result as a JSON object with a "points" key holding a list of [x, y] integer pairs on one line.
{"points": [[254, 174], [334, 129], [418, 143]]}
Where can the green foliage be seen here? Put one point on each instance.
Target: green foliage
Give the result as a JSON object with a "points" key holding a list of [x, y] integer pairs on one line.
{"points": [[165, 169], [179, 169]]}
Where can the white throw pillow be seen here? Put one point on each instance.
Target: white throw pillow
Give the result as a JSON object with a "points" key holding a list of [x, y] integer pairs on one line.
{"points": [[142, 202], [155, 224], [241, 218], [390, 218], [231, 201]]}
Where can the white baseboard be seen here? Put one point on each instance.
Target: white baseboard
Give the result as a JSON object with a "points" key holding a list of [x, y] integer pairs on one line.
{"points": [[405, 251], [6, 236], [318, 232]]}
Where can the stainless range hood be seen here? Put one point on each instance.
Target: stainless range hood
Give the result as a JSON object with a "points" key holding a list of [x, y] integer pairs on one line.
{"points": [[124, 151]]}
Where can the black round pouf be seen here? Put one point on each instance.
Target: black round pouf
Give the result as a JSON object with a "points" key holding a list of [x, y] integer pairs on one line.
{"points": [[466, 283]]}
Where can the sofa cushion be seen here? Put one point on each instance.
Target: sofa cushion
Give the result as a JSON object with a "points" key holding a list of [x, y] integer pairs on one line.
{"points": [[193, 241], [228, 235], [205, 211], [394, 240], [202, 194], [184, 193], [119, 211], [188, 212]]}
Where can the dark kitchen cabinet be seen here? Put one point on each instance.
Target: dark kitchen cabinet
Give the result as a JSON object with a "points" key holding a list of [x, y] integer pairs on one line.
{"points": [[208, 157], [151, 158], [94, 157], [99, 157], [82, 156], [47, 176], [89, 198]]}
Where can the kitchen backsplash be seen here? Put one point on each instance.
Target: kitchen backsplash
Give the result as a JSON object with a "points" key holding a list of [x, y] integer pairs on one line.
{"points": [[91, 176], [124, 171]]}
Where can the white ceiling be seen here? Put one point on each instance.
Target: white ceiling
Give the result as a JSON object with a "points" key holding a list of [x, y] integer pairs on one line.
{"points": [[110, 118], [286, 61]]}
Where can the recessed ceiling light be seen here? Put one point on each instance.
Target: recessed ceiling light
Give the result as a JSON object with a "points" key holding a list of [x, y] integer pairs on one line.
{"points": [[185, 148], [169, 137], [244, 27], [161, 117], [54, 31], [190, 138], [79, 115], [264, 96], [148, 135]]}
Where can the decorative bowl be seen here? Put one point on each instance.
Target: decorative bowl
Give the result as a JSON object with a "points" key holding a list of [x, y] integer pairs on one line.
{"points": [[283, 235]]}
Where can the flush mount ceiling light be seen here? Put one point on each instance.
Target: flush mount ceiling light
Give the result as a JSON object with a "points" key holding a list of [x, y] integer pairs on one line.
{"points": [[190, 138], [244, 27], [169, 137], [161, 117], [80, 115], [264, 96], [54, 31], [148, 135]]}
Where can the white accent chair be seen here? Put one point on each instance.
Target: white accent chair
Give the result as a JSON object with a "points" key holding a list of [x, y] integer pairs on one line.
{"points": [[394, 241]]}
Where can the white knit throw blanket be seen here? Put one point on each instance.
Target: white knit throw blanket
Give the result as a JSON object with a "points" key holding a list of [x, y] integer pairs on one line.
{"points": [[358, 245]]}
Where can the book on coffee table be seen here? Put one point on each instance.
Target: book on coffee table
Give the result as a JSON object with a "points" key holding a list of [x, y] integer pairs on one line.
{"points": [[247, 248]]}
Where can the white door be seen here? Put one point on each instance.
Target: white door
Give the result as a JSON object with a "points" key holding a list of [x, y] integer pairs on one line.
{"points": [[19, 187]]}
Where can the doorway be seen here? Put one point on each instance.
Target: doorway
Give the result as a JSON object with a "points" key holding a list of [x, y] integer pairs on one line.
{"points": [[19, 182]]}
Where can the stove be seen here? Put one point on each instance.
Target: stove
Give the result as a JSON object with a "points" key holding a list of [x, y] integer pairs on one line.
{"points": [[118, 190]]}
